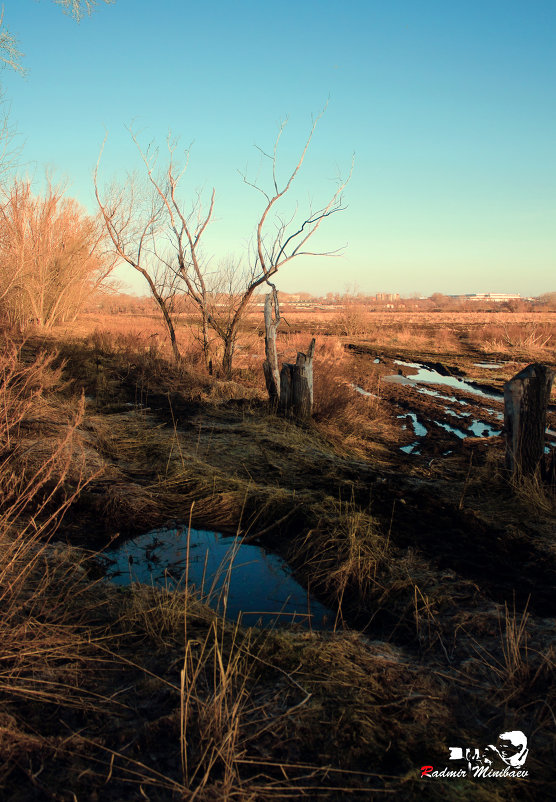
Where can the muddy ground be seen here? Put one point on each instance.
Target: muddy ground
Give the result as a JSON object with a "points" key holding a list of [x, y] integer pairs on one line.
{"points": [[441, 572]]}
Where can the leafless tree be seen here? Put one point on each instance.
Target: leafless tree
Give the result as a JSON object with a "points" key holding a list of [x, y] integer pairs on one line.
{"points": [[279, 239], [151, 232], [11, 56], [78, 8], [166, 236], [51, 255]]}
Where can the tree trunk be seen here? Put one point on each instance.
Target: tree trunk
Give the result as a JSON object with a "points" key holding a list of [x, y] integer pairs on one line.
{"points": [[270, 365], [526, 398], [229, 344], [204, 332], [296, 386], [170, 327]]}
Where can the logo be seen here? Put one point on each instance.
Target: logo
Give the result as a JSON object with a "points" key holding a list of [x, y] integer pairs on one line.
{"points": [[505, 758]]}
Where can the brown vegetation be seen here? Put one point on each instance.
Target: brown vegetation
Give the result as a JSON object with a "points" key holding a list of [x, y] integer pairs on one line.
{"points": [[441, 570], [51, 257]]}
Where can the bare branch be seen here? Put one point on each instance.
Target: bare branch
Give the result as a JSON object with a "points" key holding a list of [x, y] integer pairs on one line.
{"points": [[78, 8], [9, 52]]}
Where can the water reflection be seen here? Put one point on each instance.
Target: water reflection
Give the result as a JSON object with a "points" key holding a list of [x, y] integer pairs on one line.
{"points": [[238, 579], [426, 375]]}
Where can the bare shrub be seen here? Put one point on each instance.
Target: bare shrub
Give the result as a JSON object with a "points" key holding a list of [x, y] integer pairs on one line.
{"points": [[337, 399], [353, 320], [51, 256]]}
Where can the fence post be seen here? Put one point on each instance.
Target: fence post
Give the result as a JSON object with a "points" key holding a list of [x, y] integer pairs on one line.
{"points": [[526, 398], [296, 385]]}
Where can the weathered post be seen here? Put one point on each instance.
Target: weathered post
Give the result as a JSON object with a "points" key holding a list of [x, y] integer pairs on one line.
{"points": [[526, 398], [270, 365], [296, 385]]}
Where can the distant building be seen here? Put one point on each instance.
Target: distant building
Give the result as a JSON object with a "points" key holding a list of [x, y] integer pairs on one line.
{"points": [[387, 296], [496, 297]]}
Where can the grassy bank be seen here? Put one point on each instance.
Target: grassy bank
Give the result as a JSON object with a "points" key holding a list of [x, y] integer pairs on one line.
{"points": [[442, 602]]}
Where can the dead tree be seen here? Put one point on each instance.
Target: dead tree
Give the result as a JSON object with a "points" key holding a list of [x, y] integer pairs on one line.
{"points": [[290, 390], [526, 399], [288, 240], [296, 386], [270, 365], [137, 220], [163, 233]]}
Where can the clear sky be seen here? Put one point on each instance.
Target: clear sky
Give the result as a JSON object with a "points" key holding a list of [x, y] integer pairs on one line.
{"points": [[448, 105]]}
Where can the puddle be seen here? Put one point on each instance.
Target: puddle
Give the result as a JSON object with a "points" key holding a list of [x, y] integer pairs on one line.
{"points": [[458, 432], [418, 428], [261, 588], [428, 376], [499, 415], [363, 392], [408, 364], [424, 390], [453, 412], [481, 429], [478, 427], [473, 426], [411, 449]]}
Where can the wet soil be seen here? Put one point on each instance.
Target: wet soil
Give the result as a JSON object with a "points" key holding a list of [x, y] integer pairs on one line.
{"points": [[454, 399], [422, 498], [459, 546]]}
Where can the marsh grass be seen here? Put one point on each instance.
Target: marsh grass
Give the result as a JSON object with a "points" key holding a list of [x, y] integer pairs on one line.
{"points": [[534, 495], [170, 700], [43, 653], [529, 338]]}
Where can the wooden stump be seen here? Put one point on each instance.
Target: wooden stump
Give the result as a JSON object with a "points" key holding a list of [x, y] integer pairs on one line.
{"points": [[526, 398], [296, 386], [270, 365]]}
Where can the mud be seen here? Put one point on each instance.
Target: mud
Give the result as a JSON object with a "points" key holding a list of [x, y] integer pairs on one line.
{"points": [[504, 564], [450, 400]]}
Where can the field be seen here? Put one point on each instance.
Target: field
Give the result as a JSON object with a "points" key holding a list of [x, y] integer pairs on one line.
{"points": [[392, 507]]}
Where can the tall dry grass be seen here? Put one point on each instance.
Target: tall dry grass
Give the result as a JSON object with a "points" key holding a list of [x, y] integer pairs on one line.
{"points": [[48, 646], [533, 338], [41, 648]]}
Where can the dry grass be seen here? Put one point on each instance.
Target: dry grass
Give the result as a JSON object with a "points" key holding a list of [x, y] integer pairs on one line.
{"points": [[42, 653], [536, 497], [500, 332], [351, 557], [536, 339], [197, 708]]}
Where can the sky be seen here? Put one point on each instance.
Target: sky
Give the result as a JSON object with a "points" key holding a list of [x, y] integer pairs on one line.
{"points": [[447, 108]]}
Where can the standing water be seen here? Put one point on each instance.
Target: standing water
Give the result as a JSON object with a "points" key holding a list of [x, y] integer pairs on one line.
{"points": [[240, 580], [424, 375]]}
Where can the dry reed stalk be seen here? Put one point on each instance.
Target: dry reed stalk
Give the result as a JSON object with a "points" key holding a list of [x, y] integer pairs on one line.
{"points": [[41, 650]]}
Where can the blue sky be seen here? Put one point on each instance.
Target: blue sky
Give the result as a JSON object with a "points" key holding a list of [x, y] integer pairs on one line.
{"points": [[448, 106]]}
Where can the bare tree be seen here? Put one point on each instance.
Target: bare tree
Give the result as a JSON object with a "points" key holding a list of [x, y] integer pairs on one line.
{"points": [[10, 54], [286, 239], [167, 237], [279, 239], [151, 232], [78, 8]]}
